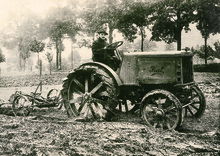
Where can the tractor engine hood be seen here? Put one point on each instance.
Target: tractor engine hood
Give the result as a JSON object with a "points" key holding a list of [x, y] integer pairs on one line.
{"points": [[157, 67]]}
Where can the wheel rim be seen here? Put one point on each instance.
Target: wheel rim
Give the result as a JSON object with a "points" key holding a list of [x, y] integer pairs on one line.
{"points": [[88, 95], [21, 106], [197, 103], [161, 110]]}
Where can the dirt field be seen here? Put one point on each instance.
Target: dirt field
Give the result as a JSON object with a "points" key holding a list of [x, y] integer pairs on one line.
{"points": [[50, 132]]}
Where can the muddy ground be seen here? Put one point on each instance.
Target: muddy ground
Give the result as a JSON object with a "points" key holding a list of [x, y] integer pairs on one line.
{"points": [[50, 132]]}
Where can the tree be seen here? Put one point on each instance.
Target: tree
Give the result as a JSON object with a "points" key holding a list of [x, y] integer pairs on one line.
{"points": [[2, 59], [169, 18], [212, 52], [217, 49], [134, 19], [59, 24], [37, 47], [49, 59], [208, 19], [19, 35], [102, 14], [24, 52], [201, 49]]}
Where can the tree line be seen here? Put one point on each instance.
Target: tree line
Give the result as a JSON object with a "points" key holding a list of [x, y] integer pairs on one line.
{"points": [[166, 20]]}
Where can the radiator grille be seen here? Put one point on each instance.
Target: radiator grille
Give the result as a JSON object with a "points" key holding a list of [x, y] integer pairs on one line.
{"points": [[187, 68]]}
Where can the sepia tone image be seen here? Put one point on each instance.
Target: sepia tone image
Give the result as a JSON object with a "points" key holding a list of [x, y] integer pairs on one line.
{"points": [[109, 77]]}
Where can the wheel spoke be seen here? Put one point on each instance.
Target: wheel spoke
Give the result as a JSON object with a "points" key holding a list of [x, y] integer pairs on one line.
{"points": [[86, 85], [96, 88], [81, 87], [81, 106], [102, 102], [170, 108], [195, 107], [126, 106], [92, 110], [120, 106], [195, 102], [190, 111], [73, 109]]}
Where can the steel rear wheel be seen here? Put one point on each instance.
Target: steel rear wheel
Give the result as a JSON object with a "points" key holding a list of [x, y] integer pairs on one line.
{"points": [[89, 92], [197, 103], [161, 109]]}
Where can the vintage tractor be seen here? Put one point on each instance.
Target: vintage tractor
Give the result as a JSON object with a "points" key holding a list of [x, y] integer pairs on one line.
{"points": [[159, 85]]}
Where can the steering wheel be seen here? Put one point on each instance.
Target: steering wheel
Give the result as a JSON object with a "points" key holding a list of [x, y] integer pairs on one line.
{"points": [[114, 45]]}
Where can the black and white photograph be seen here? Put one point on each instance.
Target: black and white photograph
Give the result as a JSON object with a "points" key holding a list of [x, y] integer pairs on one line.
{"points": [[110, 77]]}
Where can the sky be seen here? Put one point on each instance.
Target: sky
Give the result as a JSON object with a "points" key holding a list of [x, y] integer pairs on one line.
{"points": [[15, 10], [12, 11]]}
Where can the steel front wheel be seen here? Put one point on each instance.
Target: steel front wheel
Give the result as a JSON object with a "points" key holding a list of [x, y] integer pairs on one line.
{"points": [[197, 104], [161, 109]]}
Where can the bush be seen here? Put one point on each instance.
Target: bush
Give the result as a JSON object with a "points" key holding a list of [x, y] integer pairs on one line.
{"points": [[211, 52], [213, 67]]}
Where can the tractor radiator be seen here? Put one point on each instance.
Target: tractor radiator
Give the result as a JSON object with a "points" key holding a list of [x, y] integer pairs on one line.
{"points": [[187, 69]]}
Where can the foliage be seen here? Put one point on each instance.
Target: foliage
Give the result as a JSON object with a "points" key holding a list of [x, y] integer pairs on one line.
{"points": [[135, 46], [102, 15], [208, 17], [24, 48], [134, 20], [59, 24], [217, 47], [37, 46], [200, 51], [170, 17], [211, 52], [134, 16], [2, 56], [20, 35], [49, 57]]}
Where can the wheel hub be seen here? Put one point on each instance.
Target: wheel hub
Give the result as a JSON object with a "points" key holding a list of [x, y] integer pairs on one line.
{"points": [[160, 113], [86, 96]]}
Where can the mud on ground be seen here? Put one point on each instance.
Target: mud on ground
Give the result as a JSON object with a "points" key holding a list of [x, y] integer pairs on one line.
{"points": [[50, 132]]}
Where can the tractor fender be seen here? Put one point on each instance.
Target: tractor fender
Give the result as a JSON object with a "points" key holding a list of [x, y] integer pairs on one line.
{"points": [[107, 69]]}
